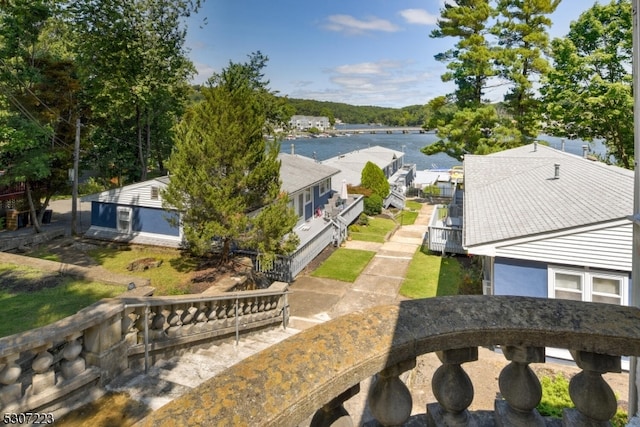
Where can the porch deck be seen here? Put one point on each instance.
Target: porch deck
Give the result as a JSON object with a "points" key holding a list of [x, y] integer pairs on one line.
{"points": [[445, 231]]}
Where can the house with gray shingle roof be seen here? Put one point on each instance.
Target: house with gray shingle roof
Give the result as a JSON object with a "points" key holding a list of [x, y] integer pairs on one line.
{"points": [[134, 213], [549, 224]]}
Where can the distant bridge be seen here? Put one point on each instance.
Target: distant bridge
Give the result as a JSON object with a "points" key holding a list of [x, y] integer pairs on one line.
{"points": [[380, 129]]}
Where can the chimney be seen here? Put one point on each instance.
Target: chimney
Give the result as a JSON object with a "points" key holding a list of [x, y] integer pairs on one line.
{"points": [[557, 171], [585, 151], [293, 149], [562, 144]]}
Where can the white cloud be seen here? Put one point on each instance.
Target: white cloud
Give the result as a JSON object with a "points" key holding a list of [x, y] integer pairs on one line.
{"points": [[203, 72], [351, 25], [378, 68], [418, 16]]}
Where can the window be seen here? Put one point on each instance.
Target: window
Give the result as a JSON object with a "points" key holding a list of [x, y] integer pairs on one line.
{"points": [[588, 285], [307, 195], [325, 186], [124, 220], [155, 194]]}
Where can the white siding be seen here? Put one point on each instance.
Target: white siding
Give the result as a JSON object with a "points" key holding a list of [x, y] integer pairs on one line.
{"points": [[136, 194], [607, 248]]}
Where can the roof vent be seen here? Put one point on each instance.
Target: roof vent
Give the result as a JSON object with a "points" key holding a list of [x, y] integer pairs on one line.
{"points": [[556, 174], [562, 144], [293, 149], [535, 145], [585, 151]]}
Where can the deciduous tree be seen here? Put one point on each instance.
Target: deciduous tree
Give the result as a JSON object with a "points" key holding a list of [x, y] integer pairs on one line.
{"points": [[588, 94]]}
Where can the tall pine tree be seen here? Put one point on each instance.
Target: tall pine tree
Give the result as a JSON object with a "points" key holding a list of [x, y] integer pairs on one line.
{"points": [[225, 176]]}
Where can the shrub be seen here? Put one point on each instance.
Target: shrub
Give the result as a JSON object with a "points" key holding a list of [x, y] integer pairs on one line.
{"points": [[354, 228], [92, 186], [555, 398], [363, 219], [432, 190], [372, 205], [373, 177]]}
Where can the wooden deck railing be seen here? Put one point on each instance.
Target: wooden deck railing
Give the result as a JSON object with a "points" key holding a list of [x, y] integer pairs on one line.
{"points": [[286, 267]]}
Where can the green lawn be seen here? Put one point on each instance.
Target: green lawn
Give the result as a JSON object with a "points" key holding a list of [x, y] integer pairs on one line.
{"points": [[375, 231], [431, 275], [413, 205], [25, 297], [407, 217], [171, 278], [344, 264]]}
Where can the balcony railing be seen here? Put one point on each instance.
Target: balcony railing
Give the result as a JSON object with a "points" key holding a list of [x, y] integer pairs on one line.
{"points": [[314, 372], [445, 230], [286, 267], [66, 360]]}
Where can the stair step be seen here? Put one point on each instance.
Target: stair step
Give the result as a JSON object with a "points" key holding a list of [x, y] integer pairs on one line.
{"points": [[192, 370]]}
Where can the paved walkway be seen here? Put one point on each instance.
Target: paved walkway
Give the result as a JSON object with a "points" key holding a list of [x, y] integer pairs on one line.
{"points": [[315, 300]]}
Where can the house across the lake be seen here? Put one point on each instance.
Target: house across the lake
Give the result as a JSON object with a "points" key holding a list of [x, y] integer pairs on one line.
{"points": [[134, 213]]}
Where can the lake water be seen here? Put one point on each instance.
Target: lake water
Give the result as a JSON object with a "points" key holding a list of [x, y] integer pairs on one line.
{"points": [[410, 144]]}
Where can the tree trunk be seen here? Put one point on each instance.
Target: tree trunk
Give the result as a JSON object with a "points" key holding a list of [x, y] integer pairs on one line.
{"points": [[141, 158], [32, 209]]}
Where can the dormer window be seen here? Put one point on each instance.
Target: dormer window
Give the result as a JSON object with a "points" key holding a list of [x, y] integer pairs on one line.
{"points": [[155, 193]]}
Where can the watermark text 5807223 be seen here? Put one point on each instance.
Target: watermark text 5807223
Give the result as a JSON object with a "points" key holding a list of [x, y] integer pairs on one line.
{"points": [[27, 418]]}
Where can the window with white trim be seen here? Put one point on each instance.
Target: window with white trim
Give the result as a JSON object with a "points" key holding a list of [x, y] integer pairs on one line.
{"points": [[307, 195], [323, 187], [123, 219], [588, 285], [155, 193]]}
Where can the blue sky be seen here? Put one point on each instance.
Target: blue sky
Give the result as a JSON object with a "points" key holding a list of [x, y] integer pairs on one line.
{"points": [[361, 52]]}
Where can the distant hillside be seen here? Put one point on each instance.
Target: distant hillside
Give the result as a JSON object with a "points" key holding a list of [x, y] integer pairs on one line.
{"points": [[413, 115]]}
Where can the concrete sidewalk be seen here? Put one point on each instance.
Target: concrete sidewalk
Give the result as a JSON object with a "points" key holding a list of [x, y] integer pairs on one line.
{"points": [[314, 299]]}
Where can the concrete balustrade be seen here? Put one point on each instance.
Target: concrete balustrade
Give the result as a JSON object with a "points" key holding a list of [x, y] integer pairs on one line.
{"points": [[317, 370], [67, 363]]}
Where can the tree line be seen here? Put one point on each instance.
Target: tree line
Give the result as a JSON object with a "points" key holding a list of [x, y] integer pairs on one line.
{"points": [[413, 115]]}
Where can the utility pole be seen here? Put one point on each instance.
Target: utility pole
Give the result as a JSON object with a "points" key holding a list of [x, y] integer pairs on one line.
{"points": [[74, 184], [635, 255]]}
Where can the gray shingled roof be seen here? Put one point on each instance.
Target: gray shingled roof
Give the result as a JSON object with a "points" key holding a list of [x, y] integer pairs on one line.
{"points": [[513, 194], [299, 172], [352, 163]]}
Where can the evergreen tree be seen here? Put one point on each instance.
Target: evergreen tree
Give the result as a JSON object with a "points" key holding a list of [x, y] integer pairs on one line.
{"points": [[225, 177], [524, 43], [471, 61]]}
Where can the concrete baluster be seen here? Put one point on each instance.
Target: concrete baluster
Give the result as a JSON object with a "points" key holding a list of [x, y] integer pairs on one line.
{"points": [[187, 319], [594, 399], [223, 313], [10, 391], [158, 323], [452, 389], [333, 414], [390, 399], [43, 376], [200, 316], [520, 389], [129, 325], [72, 365], [174, 321]]}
